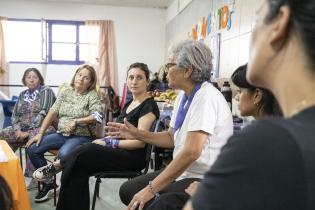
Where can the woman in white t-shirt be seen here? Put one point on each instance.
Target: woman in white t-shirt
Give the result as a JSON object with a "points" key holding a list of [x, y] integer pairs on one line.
{"points": [[199, 127]]}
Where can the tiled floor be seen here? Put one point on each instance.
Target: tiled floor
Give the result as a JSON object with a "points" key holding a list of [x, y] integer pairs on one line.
{"points": [[109, 197]]}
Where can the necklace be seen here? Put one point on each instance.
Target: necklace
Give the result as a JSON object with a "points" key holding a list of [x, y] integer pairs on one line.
{"points": [[303, 104]]}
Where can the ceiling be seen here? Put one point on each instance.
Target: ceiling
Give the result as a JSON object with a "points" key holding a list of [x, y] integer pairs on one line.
{"points": [[163, 4]]}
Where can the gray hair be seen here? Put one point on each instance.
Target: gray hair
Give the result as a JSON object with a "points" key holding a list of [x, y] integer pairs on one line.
{"points": [[196, 54]]}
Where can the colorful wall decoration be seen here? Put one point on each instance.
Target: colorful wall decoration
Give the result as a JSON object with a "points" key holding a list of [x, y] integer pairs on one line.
{"points": [[209, 29], [216, 21]]}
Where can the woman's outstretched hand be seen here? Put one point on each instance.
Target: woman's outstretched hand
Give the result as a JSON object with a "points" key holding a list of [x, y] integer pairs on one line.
{"points": [[121, 130]]}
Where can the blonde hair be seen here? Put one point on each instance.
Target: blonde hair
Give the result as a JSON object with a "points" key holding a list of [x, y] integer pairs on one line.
{"points": [[92, 74]]}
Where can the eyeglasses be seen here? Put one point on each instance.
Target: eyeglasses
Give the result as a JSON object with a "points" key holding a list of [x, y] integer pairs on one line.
{"points": [[167, 66]]}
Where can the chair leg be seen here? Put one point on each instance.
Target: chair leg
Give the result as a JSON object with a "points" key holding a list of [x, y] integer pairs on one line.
{"points": [[38, 186], [55, 191], [98, 189], [21, 161], [25, 154], [96, 192]]}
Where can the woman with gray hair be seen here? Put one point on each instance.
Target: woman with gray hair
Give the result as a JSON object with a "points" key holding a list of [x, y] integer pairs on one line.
{"points": [[199, 127]]}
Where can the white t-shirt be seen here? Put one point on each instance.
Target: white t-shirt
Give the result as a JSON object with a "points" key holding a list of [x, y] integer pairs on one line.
{"points": [[208, 112]]}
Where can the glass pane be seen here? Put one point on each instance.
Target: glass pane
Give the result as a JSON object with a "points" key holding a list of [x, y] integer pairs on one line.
{"points": [[63, 33], [88, 53], [88, 34], [65, 52], [23, 41]]}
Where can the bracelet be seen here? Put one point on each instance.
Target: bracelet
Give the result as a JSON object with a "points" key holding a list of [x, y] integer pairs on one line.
{"points": [[156, 194], [115, 143], [111, 143]]}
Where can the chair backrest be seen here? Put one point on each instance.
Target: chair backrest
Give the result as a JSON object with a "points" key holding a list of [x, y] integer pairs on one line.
{"points": [[148, 148]]}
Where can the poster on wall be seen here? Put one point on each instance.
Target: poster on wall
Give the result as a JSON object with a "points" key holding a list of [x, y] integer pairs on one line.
{"points": [[214, 44]]}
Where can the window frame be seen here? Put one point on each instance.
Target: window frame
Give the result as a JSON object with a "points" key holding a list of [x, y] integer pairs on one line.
{"points": [[77, 24], [28, 62], [48, 37]]}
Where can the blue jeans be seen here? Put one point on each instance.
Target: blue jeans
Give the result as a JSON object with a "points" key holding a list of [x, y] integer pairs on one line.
{"points": [[65, 144]]}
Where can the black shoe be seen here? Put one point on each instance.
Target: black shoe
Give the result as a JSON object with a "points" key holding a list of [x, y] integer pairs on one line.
{"points": [[45, 173], [45, 193]]}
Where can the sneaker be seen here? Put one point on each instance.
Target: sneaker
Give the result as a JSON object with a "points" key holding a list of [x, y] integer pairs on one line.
{"points": [[44, 173], [33, 184], [45, 193]]}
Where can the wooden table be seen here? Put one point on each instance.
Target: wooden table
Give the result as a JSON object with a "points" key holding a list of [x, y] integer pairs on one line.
{"points": [[12, 173]]}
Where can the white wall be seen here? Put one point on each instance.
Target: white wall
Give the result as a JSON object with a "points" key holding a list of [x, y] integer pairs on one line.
{"points": [[234, 43], [140, 34]]}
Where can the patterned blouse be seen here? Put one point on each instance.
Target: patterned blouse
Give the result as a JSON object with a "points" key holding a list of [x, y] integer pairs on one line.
{"points": [[28, 115], [70, 106]]}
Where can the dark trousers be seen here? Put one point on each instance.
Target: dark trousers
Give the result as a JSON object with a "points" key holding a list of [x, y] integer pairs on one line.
{"points": [[172, 196], [87, 160]]}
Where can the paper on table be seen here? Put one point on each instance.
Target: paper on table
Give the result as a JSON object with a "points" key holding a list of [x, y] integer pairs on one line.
{"points": [[3, 156]]}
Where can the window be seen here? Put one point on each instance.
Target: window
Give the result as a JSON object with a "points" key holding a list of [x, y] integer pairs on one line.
{"points": [[50, 41], [67, 42], [23, 41]]}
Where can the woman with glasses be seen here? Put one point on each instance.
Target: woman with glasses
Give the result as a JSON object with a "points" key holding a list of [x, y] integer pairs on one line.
{"points": [[199, 127], [77, 110], [270, 164]]}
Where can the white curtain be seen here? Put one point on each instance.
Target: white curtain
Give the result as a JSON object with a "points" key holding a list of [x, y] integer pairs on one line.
{"points": [[4, 67]]}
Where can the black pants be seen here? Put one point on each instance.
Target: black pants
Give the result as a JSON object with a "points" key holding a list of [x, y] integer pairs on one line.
{"points": [[172, 196], [87, 160]]}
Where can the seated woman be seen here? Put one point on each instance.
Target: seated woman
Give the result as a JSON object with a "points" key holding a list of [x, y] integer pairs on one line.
{"points": [[252, 101], [270, 164], [29, 112], [78, 109], [200, 125], [108, 154]]}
